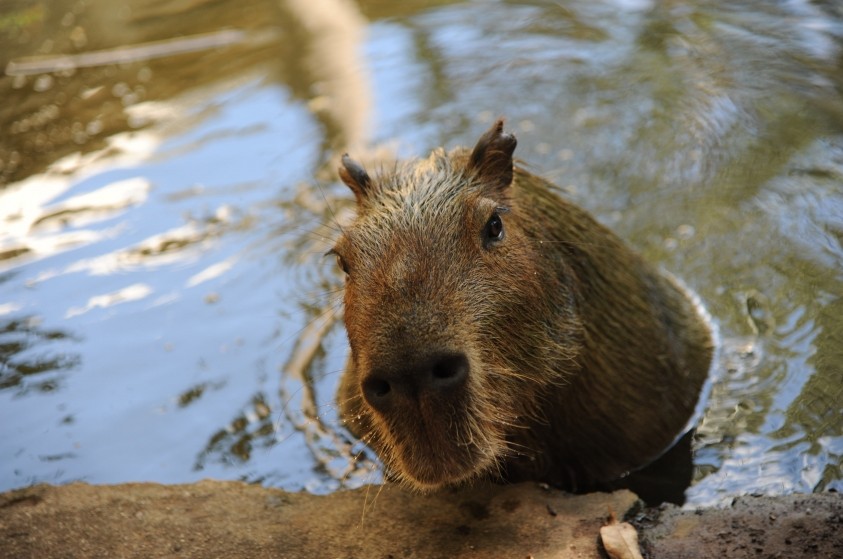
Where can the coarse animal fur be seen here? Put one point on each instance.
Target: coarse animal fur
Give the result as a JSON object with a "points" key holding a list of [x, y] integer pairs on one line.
{"points": [[498, 330]]}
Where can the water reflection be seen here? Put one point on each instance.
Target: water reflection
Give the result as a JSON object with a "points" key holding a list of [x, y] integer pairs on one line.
{"points": [[33, 357], [65, 94], [167, 193]]}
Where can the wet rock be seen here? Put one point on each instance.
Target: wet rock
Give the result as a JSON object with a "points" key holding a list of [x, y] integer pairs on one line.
{"points": [[793, 526], [230, 519]]}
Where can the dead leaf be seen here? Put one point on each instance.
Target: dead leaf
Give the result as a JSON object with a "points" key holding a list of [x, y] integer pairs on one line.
{"points": [[620, 540]]}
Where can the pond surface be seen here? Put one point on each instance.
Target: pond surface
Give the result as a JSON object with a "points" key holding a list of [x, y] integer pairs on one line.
{"points": [[168, 190]]}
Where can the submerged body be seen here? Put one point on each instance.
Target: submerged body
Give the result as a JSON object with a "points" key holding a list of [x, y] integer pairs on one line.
{"points": [[497, 330]]}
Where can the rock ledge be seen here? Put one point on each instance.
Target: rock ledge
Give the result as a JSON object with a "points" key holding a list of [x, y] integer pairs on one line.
{"points": [[231, 519]]}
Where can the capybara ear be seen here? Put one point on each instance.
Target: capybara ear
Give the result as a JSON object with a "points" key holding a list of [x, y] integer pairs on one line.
{"points": [[355, 176], [491, 159]]}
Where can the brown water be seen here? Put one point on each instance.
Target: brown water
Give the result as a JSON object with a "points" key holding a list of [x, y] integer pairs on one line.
{"points": [[166, 313]]}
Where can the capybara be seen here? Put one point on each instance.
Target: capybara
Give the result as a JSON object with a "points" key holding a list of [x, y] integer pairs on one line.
{"points": [[499, 331]]}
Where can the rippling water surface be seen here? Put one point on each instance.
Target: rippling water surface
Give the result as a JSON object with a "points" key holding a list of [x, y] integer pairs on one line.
{"points": [[167, 191]]}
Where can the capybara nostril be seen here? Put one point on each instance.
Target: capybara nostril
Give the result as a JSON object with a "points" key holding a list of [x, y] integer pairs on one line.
{"points": [[434, 376], [378, 392], [449, 371]]}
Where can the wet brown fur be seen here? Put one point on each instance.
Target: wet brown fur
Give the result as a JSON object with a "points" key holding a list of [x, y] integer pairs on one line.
{"points": [[584, 361]]}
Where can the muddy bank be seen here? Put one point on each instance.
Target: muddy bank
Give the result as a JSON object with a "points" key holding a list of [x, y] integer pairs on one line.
{"points": [[229, 519]]}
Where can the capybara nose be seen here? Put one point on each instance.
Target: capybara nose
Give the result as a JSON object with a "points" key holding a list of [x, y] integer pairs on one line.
{"points": [[432, 376]]}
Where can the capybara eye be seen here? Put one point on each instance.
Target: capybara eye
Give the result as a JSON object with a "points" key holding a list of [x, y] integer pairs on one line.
{"points": [[494, 228], [341, 263]]}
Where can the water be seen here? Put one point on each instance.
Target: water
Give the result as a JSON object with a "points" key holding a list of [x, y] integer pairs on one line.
{"points": [[166, 311]]}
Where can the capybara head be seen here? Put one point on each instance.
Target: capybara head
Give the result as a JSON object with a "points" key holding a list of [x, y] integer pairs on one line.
{"points": [[464, 313]]}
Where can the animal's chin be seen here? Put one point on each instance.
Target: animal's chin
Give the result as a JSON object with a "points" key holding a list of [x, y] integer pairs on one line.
{"points": [[433, 476], [430, 479], [427, 467]]}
